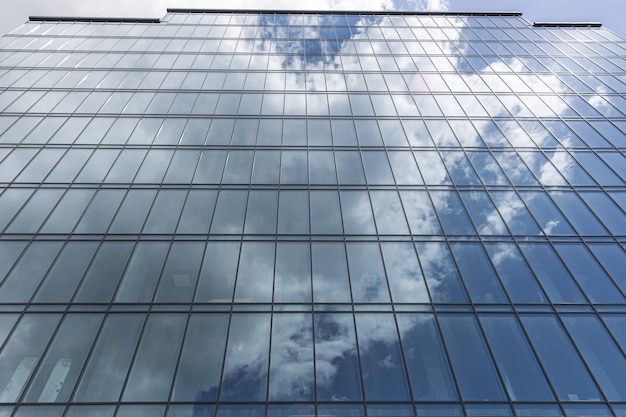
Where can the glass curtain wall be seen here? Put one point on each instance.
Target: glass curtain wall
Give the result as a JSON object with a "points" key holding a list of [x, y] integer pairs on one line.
{"points": [[312, 214]]}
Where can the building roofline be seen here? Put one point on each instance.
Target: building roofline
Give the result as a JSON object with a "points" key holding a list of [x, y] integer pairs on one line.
{"points": [[350, 12], [93, 19], [567, 24]]}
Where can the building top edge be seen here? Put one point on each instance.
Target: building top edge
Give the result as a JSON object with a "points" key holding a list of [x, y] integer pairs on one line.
{"points": [[93, 19], [380, 12], [568, 24]]}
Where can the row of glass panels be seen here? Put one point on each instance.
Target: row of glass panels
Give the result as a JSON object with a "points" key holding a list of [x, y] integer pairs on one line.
{"points": [[292, 132], [311, 104], [303, 357], [303, 272], [207, 39], [327, 212], [297, 59], [314, 167], [329, 80]]}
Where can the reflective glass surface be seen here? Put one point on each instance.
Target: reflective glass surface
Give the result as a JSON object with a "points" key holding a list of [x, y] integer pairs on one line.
{"points": [[263, 213]]}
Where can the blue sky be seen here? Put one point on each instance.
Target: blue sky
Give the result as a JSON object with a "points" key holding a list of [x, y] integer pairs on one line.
{"points": [[610, 12]]}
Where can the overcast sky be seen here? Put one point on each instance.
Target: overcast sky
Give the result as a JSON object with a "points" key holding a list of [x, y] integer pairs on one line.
{"points": [[609, 12]]}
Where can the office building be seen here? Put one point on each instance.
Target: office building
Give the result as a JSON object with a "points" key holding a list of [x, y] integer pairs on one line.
{"points": [[245, 213]]}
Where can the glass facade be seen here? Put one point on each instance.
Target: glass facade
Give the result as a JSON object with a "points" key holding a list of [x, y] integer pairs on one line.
{"points": [[228, 214]]}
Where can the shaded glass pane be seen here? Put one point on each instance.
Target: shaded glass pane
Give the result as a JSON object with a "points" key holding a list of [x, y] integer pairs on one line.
{"points": [[384, 377], [427, 364], [336, 361], [180, 274], [246, 364], [291, 358], [108, 365], [199, 370], [570, 379], [151, 375], [64, 361], [520, 371], [22, 352], [475, 372]]}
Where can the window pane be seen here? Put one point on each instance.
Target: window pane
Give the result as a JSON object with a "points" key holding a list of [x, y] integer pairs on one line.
{"points": [[520, 370], [245, 365], [336, 361], [200, 367], [291, 358], [428, 368], [106, 370], [476, 375], [22, 351], [384, 378], [64, 361], [570, 379], [156, 358], [180, 274]]}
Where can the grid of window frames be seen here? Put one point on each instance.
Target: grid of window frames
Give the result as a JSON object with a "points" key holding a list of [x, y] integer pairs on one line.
{"points": [[287, 214]]}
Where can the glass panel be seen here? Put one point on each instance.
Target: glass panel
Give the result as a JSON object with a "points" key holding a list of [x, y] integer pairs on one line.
{"points": [[427, 365], [325, 213], [35, 211], [64, 361], [330, 273], [589, 275], [66, 273], [255, 276], [291, 358], [180, 274], [440, 273], [28, 272], [388, 213], [336, 361], [22, 352], [419, 212], [384, 378], [520, 370], [603, 357], [100, 212], [217, 276], [514, 273], [569, 378], [266, 168], [476, 375], [132, 213], [262, 212], [165, 212], [200, 367], [10, 202], [229, 212], [367, 276], [198, 211], [106, 370], [104, 273], [551, 273], [357, 213], [480, 279], [453, 217], [142, 274], [151, 375], [246, 364], [404, 273], [292, 279], [613, 260]]}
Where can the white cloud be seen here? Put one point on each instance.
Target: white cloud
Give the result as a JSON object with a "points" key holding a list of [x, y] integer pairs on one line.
{"points": [[430, 5]]}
